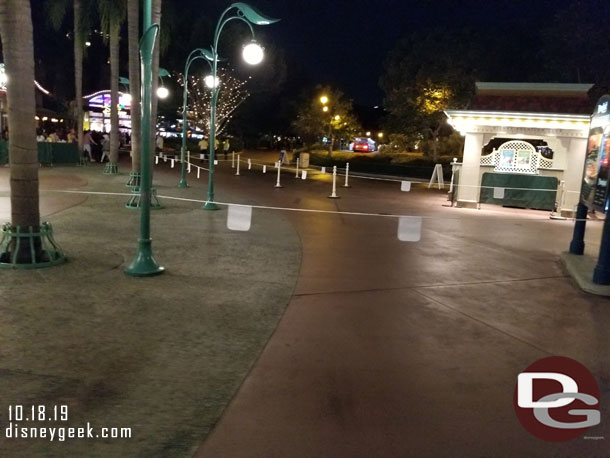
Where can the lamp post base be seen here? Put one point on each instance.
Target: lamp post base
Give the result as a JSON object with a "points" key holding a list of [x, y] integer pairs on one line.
{"points": [[111, 168], [134, 200], [144, 265], [183, 183], [211, 206]]}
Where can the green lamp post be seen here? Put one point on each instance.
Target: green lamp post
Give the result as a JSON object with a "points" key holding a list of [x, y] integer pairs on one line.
{"points": [[252, 54], [195, 54], [144, 264]]}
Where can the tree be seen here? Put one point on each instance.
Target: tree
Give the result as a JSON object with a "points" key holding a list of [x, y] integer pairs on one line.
{"points": [[18, 50], [424, 75], [338, 120], [112, 14], [57, 11], [231, 95], [133, 31], [571, 48]]}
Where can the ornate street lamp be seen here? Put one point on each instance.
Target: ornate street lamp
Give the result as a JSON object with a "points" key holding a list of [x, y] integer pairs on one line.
{"points": [[144, 264], [252, 54], [195, 54]]}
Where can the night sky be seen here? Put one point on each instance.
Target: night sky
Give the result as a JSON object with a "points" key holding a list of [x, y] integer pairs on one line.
{"points": [[343, 43]]}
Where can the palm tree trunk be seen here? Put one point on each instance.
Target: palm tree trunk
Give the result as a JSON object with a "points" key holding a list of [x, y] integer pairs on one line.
{"points": [[78, 73], [18, 50], [114, 92], [133, 19], [156, 19]]}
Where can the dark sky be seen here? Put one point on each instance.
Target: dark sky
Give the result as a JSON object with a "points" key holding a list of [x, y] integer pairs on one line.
{"points": [[342, 42], [345, 42], [338, 42]]}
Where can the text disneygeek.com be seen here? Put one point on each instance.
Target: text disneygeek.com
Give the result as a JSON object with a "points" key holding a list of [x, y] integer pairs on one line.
{"points": [[21, 421]]}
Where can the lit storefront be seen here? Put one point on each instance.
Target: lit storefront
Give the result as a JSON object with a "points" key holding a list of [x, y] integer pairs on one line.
{"points": [[97, 113]]}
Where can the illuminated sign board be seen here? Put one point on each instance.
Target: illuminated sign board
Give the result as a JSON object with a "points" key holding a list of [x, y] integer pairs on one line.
{"points": [[594, 192], [102, 100]]}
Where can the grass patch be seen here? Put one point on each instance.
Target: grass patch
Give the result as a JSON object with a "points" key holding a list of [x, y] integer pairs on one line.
{"points": [[413, 165]]}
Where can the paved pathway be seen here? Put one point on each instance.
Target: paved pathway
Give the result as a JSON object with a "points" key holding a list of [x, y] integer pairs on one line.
{"points": [[386, 348], [412, 349]]}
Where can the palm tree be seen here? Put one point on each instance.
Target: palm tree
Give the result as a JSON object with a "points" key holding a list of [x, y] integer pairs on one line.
{"points": [[156, 19], [18, 50], [112, 14], [56, 11], [133, 20]]}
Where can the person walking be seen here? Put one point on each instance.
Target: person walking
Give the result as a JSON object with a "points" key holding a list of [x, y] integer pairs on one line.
{"points": [[203, 147], [87, 142], [105, 147], [225, 147]]}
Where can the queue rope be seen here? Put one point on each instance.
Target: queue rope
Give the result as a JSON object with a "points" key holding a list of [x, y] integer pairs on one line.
{"points": [[355, 175], [303, 210]]}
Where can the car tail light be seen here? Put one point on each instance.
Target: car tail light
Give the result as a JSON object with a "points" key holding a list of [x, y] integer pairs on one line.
{"points": [[365, 147]]}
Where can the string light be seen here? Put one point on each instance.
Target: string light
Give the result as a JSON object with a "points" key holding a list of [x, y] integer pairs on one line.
{"points": [[231, 95]]}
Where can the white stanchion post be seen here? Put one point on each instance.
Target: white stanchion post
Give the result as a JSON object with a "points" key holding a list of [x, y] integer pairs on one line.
{"points": [[264, 169], [233, 159], [164, 158], [323, 170], [297, 174], [237, 173], [156, 159], [198, 172], [188, 157], [279, 169], [334, 193], [188, 167], [249, 164], [346, 185], [172, 161]]}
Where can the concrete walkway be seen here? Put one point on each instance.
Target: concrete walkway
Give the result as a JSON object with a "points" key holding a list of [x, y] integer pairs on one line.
{"points": [[393, 349], [386, 348]]}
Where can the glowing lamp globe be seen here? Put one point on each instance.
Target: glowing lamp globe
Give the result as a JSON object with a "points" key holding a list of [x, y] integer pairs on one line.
{"points": [[162, 92], [210, 82], [253, 53]]}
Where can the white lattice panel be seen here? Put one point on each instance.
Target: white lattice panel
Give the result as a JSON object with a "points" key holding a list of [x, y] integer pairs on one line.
{"points": [[488, 159], [522, 151], [544, 163]]}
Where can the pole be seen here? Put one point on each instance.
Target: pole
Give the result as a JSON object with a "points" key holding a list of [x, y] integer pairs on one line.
{"points": [[232, 159], [601, 274], [210, 205], [334, 193], [144, 264], [182, 183], [297, 174], [237, 173], [279, 168], [346, 185], [577, 245]]}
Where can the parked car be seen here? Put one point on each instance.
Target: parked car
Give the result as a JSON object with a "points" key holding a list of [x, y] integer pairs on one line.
{"points": [[364, 145]]}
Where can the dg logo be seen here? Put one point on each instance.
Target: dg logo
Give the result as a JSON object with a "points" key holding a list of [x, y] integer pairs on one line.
{"points": [[557, 399]]}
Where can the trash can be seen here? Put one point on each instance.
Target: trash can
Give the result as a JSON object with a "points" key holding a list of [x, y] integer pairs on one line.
{"points": [[304, 160]]}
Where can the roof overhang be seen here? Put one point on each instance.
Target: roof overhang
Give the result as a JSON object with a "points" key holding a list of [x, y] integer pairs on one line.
{"points": [[533, 89], [469, 121]]}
